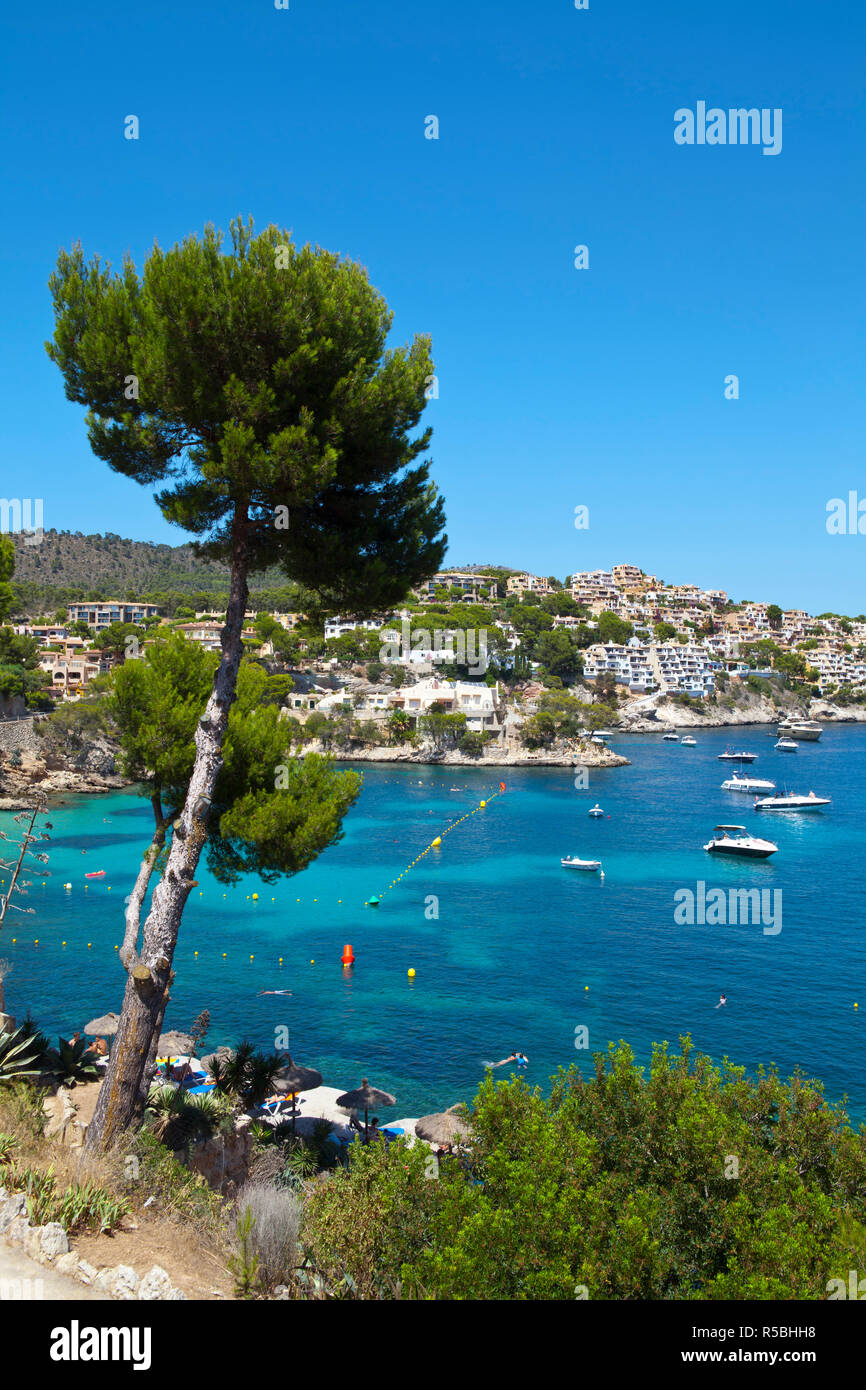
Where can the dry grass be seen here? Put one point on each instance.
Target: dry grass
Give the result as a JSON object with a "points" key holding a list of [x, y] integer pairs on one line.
{"points": [[183, 1229]]}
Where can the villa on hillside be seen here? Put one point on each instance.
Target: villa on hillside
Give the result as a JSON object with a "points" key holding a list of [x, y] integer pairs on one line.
{"points": [[100, 615]]}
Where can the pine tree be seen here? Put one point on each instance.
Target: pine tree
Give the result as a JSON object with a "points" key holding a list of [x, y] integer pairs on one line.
{"points": [[256, 391]]}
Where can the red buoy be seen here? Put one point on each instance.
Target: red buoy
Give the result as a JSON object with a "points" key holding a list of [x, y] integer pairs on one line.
{"points": [[348, 956]]}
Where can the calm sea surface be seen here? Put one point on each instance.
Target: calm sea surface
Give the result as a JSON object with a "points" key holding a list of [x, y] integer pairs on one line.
{"points": [[518, 939]]}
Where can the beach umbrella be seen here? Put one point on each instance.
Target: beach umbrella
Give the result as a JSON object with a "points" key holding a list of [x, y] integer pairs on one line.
{"points": [[174, 1045], [294, 1078], [444, 1128], [106, 1026], [365, 1098], [217, 1056]]}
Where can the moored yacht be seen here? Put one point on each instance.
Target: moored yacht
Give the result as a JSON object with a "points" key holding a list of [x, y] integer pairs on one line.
{"points": [[789, 801], [806, 729], [735, 839], [670, 737], [590, 866], [689, 742], [731, 756], [747, 784], [786, 745]]}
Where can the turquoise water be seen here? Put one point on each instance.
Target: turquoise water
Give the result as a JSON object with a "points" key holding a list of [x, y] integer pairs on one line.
{"points": [[518, 939]]}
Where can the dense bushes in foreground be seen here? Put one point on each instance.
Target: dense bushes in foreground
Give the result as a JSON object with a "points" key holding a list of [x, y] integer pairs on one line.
{"points": [[691, 1182]]}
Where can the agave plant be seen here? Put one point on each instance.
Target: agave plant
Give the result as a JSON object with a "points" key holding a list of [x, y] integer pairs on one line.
{"points": [[177, 1118], [18, 1056], [72, 1061]]}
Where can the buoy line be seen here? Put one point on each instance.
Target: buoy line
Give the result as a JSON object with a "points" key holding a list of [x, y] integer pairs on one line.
{"points": [[375, 900]]}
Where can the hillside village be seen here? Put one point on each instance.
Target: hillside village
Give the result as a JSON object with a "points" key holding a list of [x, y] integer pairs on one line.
{"points": [[485, 662]]}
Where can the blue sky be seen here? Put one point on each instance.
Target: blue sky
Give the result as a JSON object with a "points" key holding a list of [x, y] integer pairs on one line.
{"points": [[558, 387]]}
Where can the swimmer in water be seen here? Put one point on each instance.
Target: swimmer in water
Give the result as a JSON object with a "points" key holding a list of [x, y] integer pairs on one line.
{"points": [[272, 991], [517, 1057], [723, 999]]}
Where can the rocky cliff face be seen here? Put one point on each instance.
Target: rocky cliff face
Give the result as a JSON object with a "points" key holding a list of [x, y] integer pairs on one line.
{"points": [[25, 767]]}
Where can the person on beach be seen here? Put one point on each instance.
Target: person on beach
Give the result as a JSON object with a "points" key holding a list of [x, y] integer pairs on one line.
{"points": [[100, 1047]]}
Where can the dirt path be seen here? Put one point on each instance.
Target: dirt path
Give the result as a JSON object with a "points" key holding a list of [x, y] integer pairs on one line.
{"points": [[23, 1278]]}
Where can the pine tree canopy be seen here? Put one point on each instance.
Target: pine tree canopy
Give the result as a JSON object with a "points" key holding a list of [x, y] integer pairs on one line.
{"points": [[253, 382]]}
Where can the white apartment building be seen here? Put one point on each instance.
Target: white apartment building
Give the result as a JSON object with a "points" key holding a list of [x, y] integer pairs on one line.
{"points": [[684, 668], [335, 627], [480, 703], [628, 661]]}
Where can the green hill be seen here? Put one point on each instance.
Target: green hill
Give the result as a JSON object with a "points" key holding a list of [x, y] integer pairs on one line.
{"points": [[69, 565]]}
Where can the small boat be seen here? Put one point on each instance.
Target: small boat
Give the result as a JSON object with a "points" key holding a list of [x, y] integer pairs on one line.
{"points": [[590, 866], [747, 784], [788, 801], [735, 839], [596, 811], [689, 742], [670, 737], [731, 756], [98, 873], [604, 733], [786, 745]]}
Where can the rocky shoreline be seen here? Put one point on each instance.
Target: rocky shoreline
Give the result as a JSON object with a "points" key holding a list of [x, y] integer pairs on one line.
{"points": [[92, 770]]}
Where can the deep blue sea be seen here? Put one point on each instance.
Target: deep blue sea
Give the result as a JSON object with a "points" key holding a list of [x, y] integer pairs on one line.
{"points": [[523, 952]]}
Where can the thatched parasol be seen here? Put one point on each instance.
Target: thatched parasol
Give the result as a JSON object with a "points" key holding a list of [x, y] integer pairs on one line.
{"points": [[367, 1098], [174, 1045], [104, 1027], [444, 1128], [294, 1078], [218, 1056]]}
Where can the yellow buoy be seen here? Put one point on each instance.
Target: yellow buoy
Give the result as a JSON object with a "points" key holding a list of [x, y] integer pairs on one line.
{"points": [[255, 897], [312, 962], [63, 943], [411, 973], [195, 953], [586, 986], [252, 957], [224, 955], [438, 840]]}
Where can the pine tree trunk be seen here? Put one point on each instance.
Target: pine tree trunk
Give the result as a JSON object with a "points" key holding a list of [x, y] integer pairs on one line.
{"points": [[150, 975]]}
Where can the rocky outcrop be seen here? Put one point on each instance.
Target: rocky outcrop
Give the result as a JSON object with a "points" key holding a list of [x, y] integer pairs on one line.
{"points": [[224, 1160]]}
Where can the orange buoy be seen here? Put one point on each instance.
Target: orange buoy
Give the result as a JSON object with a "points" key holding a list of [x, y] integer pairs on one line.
{"points": [[348, 957]]}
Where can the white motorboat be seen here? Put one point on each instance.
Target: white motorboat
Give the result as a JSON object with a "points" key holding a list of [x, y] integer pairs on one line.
{"points": [[671, 737], [604, 733], [735, 839], [730, 756], [590, 866], [747, 784], [689, 742], [596, 810], [789, 801], [786, 745], [806, 729]]}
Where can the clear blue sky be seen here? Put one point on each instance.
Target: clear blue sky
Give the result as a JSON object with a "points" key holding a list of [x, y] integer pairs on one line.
{"points": [[557, 387]]}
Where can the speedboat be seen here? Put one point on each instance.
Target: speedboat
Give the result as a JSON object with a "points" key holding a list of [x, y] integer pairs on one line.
{"points": [[590, 866], [596, 810], [806, 729], [786, 745], [789, 801], [689, 742], [604, 733], [735, 839], [747, 784], [671, 737], [730, 756]]}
